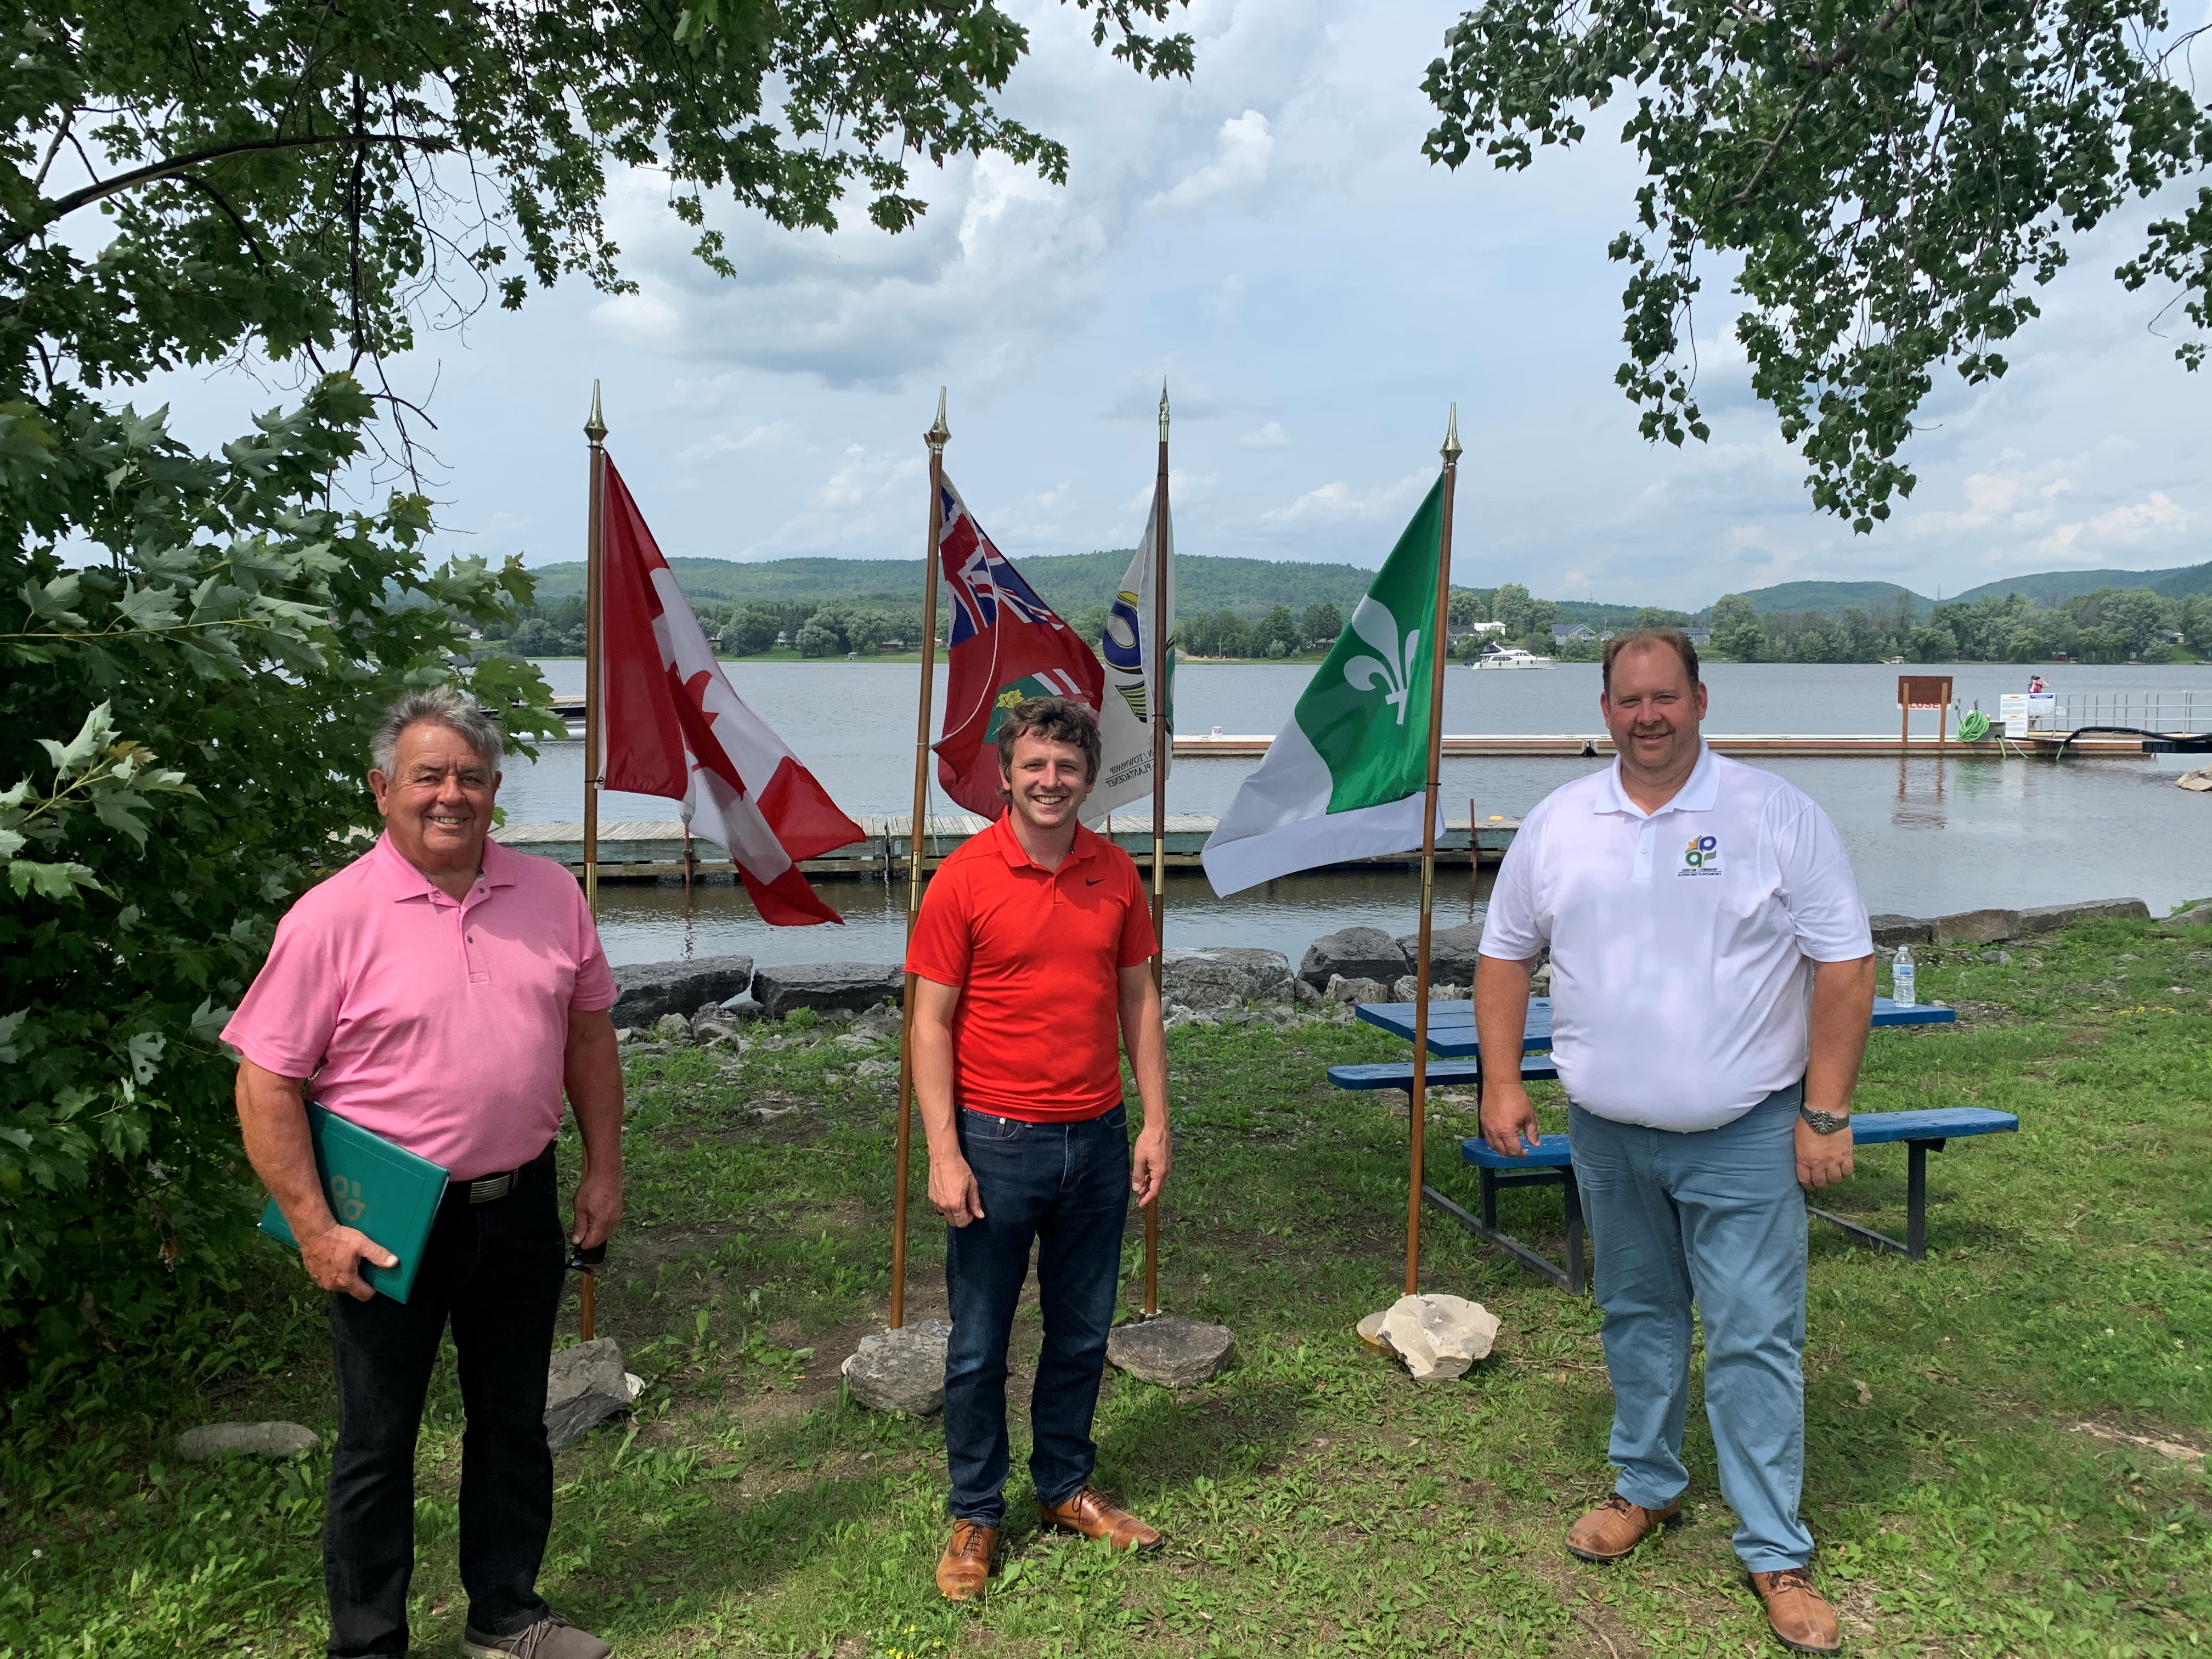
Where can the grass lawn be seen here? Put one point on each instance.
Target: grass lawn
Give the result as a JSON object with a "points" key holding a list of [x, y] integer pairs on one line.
{"points": [[1980, 1476]]}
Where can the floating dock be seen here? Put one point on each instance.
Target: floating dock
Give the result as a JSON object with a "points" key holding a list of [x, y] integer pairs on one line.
{"points": [[652, 849], [1596, 745]]}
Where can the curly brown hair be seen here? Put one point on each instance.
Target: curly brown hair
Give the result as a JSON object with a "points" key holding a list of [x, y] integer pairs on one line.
{"points": [[1056, 719]]}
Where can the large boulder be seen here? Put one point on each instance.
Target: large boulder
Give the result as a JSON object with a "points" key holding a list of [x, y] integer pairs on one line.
{"points": [[1224, 976], [1354, 953], [902, 1370], [2199, 915], [1452, 951], [828, 986], [2050, 918], [1891, 930], [273, 1441], [1977, 927], [585, 1386], [646, 990], [1175, 1353]]}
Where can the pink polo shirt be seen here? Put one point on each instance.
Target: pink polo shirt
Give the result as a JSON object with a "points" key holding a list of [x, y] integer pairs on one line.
{"points": [[441, 1026]]}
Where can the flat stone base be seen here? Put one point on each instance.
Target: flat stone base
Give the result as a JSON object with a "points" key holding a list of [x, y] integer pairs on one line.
{"points": [[271, 1440], [902, 1370], [1176, 1353], [585, 1386]]}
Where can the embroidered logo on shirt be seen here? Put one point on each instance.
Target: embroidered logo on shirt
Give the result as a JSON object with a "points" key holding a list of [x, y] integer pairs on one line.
{"points": [[1702, 857]]}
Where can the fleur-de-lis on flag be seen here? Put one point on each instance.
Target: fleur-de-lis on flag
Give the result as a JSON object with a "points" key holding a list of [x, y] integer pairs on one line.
{"points": [[1374, 624]]}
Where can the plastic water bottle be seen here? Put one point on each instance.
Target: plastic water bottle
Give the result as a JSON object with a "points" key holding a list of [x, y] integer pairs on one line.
{"points": [[1901, 975]]}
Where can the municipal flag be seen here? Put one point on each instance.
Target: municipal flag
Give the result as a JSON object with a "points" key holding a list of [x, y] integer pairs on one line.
{"points": [[1139, 674], [1345, 779], [674, 727], [1008, 646]]}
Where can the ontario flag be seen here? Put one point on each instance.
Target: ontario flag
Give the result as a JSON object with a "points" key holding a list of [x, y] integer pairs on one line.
{"points": [[1008, 646], [673, 728]]}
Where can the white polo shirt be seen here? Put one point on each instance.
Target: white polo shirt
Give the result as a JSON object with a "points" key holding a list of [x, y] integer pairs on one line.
{"points": [[1681, 939]]}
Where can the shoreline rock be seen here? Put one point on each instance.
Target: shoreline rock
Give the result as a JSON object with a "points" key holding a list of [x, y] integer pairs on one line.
{"points": [[646, 990]]}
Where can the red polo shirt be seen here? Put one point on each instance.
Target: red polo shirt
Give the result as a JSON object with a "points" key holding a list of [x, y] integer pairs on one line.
{"points": [[1037, 956]]}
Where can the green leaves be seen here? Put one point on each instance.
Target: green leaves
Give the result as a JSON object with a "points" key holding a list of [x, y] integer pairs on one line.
{"points": [[321, 183], [1891, 179]]}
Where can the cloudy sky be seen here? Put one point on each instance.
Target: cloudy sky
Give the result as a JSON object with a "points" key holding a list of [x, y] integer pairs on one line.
{"points": [[1269, 238]]}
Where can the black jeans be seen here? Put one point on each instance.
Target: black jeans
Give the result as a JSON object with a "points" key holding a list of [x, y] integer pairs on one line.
{"points": [[496, 1271], [1065, 1188]]}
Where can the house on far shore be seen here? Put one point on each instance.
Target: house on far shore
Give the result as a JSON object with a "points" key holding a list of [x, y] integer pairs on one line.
{"points": [[1702, 638], [1479, 630], [1573, 633]]}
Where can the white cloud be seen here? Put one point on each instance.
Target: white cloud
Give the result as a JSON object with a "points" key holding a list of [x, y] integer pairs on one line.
{"points": [[1270, 436], [1183, 487], [1339, 501], [862, 475], [734, 442], [2158, 519], [1246, 147]]}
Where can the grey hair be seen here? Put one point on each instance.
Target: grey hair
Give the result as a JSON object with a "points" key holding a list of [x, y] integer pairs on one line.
{"points": [[440, 705]]}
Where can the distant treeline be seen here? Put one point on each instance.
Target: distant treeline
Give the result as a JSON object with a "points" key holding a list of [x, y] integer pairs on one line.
{"points": [[870, 625], [2108, 625]]}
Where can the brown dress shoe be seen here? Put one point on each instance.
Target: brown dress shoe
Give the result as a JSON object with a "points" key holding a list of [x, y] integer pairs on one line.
{"points": [[965, 1566], [1803, 1620], [1094, 1517], [1616, 1527]]}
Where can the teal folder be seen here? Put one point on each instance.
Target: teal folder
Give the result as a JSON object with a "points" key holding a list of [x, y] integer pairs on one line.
{"points": [[385, 1191]]}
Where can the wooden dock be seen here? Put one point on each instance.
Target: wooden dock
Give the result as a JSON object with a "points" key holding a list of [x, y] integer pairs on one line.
{"points": [[652, 849], [1596, 745]]}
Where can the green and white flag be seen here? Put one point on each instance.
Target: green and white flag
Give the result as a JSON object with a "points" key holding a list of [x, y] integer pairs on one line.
{"points": [[1345, 779], [1139, 674]]}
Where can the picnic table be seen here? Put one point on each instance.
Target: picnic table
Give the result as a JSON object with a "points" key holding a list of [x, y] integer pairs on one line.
{"points": [[1454, 1041]]}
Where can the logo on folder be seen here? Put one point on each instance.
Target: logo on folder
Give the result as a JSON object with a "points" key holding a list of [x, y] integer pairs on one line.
{"points": [[1702, 857]]}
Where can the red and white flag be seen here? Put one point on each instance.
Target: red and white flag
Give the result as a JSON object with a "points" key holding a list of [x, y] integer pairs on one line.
{"points": [[672, 726], [1007, 644]]}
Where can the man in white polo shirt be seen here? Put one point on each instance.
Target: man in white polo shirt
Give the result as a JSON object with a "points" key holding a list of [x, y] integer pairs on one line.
{"points": [[1712, 977]]}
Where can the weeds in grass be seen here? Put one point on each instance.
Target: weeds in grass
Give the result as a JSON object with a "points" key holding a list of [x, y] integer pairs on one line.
{"points": [[1982, 1471]]}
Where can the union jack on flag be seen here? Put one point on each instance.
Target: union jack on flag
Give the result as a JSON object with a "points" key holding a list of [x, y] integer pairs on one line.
{"points": [[980, 577], [1007, 644]]}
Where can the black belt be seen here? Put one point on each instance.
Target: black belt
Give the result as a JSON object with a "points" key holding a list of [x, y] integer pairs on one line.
{"points": [[487, 1189]]}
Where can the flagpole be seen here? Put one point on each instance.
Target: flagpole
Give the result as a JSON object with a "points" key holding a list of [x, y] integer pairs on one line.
{"points": [[935, 437], [1157, 708], [1419, 1125], [595, 429]]}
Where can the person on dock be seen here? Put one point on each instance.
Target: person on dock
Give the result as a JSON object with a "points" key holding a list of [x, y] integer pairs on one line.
{"points": [[1032, 956], [443, 993], [1712, 979]]}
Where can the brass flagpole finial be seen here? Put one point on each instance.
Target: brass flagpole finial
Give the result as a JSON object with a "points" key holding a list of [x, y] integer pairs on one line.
{"points": [[938, 433], [596, 427], [1164, 411], [1452, 451]]}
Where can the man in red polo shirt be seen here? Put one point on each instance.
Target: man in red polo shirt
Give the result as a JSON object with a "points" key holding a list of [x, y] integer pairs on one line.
{"points": [[1032, 955]]}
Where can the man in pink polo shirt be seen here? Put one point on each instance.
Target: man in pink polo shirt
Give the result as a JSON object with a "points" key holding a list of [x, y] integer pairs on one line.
{"points": [[443, 993]]}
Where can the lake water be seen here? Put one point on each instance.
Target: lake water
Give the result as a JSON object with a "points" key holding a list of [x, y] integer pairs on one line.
{"points": [[1926, 836]]}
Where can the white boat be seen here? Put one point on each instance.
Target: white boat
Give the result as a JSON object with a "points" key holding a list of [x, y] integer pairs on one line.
{"points": [[1510, 656]]}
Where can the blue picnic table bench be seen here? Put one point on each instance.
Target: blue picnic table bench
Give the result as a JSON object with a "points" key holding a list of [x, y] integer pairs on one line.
{"points": [[1452, 1038]]}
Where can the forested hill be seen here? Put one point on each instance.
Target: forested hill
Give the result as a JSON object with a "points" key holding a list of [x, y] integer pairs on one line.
{"points": [[2180, 582], [1835, 598], [1069, 582]]}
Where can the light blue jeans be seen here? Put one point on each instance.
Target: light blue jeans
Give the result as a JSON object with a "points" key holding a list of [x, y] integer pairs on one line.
{"points": [[1717, 1218]]}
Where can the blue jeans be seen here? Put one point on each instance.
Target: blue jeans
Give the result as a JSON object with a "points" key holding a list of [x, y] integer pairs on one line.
{"points": [[1065, 1188], [1718, 1217]]}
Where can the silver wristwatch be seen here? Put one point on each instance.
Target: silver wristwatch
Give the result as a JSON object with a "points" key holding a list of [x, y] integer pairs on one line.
{"points": [[1824, 1123]]}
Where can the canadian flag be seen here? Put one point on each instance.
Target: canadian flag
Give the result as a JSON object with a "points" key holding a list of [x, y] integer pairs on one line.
{"points": [[673, 728]]}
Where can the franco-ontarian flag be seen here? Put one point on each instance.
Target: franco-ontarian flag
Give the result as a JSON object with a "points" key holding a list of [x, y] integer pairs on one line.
{"points": [[1345, 779], [1138, 688]]}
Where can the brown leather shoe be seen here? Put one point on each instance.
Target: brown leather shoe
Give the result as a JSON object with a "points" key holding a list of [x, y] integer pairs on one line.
{"points": [[1616, 1527], [1801, 1619], [1094, 1517], [965, 1566]]}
